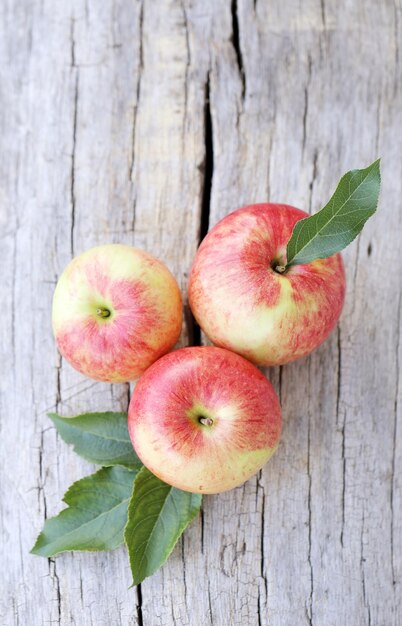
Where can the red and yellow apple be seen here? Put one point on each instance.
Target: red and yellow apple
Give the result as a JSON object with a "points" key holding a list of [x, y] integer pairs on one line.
{"points": [[242, 300], [204, 419], [116, 309]]}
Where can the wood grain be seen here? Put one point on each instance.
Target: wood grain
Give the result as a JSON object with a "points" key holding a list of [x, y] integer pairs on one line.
{"points": [[146, 122]]}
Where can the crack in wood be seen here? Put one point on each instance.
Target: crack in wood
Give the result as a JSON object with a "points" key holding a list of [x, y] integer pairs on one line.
{"points": [[72, 39], [58, 381], [259, 611], [128, 392], [237, 47], [395, 431], [202, 529], [306, 103], [81, 588], [183, 560], [309, 559], [73, 155], [313, 179], [260, 487], [138, 606], [338, 398], [396, 40], [323, 17], [41, 486], [55, 577], [188, 61], [207, 169], [16, 614], [174, 623], [363, 578], [210, 603], [280, 380], [137, 101], [355, 272], [72, 175], [208, 163]]}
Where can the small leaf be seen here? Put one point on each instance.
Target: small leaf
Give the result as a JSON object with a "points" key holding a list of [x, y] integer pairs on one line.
{"points": [[96, 516], [100, 438], [340, 221], [157, 516]]}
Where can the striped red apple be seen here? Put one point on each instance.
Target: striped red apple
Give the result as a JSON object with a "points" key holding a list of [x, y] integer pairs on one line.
{"points": [[204, 419], [116, 310], [245, 302]]}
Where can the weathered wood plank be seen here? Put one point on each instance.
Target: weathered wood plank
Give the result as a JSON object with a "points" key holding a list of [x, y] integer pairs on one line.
{"points": [[70, 143], [114, 117], [329, 494]]}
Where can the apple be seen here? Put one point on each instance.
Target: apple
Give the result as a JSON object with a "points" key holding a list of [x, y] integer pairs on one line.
{"points": [[204, 419], [243, 301], [116, 309]]}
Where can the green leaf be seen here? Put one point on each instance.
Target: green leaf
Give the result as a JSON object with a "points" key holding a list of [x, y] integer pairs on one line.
{"points": [[157, 516], [96, 516], [340, 221], [100, 438]]}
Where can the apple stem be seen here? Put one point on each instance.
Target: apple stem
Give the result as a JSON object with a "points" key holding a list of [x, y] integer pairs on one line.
{"points": [[206, 421], [103, 312], [280, 269]]}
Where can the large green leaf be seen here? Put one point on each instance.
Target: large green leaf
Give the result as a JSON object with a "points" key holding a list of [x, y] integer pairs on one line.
{"points": [[340, 221], [96, 516], [157, 516], [101, 438]]}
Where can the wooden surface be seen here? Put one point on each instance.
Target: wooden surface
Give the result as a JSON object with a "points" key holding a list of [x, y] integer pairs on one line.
{"points": [[140, 122]]}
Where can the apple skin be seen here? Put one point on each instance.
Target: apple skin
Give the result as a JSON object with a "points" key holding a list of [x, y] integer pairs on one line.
{"points": [[223, 389], [243, 305], [145, 308]]}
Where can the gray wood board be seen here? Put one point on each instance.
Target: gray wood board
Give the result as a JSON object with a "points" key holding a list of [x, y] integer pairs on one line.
{"points": [[136, 122]]}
